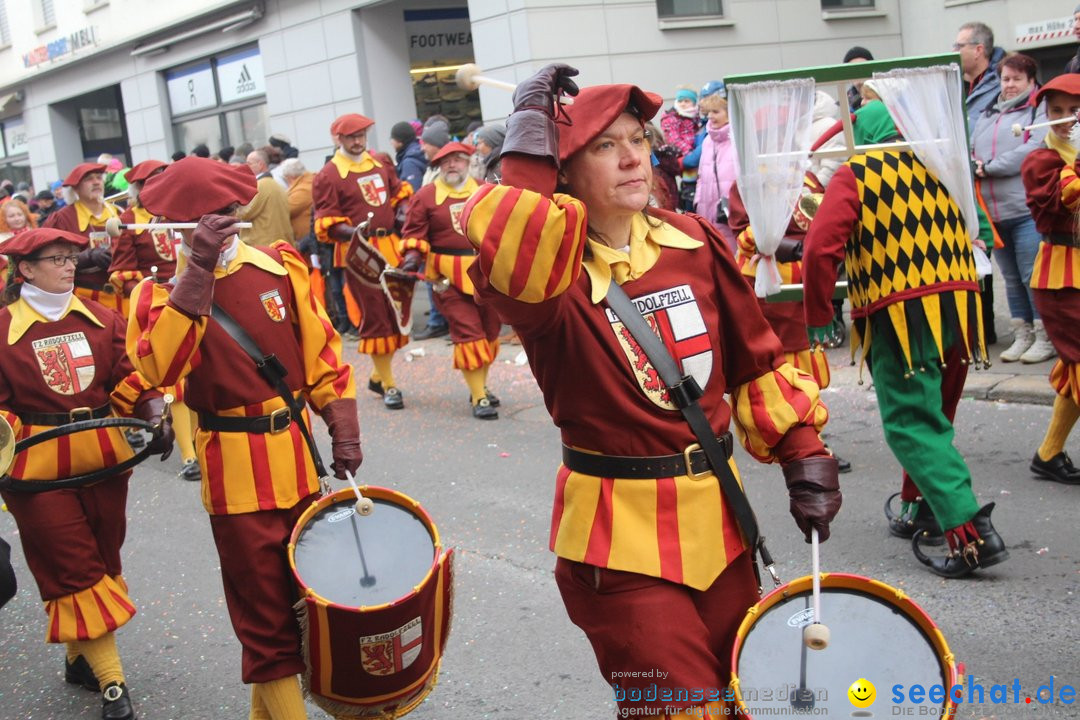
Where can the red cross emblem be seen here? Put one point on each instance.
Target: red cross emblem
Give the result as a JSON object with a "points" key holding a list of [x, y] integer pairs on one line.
{"points": [[394, 651], [66, 362]]}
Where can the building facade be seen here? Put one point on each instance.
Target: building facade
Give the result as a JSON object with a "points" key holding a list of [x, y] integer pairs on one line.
{"points": [[144, 78]]}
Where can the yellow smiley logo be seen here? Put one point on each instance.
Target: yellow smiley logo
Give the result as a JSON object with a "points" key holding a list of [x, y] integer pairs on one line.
{"points": [[862, 693]]}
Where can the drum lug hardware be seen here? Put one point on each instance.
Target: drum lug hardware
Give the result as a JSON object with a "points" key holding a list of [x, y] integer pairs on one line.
{"points": [[772, 571]]}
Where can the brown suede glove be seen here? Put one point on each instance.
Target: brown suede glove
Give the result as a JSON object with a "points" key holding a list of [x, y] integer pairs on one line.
{"points": [[150, 408], [193, 293], [814, 488], [341, 231], [530, 129], [344, 426]]}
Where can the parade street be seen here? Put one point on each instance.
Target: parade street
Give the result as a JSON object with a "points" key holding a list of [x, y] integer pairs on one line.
{"points": [[513, 653]]}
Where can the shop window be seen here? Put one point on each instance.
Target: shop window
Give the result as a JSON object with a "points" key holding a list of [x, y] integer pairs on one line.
{"points": [[14, 160], [847, 4], [219, 101], [44, 16], [673, 9], [440, 41]]}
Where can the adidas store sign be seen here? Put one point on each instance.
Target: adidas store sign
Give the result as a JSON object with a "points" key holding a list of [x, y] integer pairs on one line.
{"points": [[240, 75]]}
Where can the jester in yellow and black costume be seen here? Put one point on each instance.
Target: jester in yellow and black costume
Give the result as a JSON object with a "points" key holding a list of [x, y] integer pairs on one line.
{"points": [[916, 314]]}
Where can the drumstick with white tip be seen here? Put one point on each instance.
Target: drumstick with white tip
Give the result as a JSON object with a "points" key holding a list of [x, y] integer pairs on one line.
{"points": [[114, 227], [816, 634], [364, 505], [1018, 129], [468, 77]]}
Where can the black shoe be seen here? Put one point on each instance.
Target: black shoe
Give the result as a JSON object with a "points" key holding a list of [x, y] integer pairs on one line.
{"points": [[135, 440], [842, 465], [484, 410], [432, 332], [80, 673], [190, 471], [988, 550], [393, 399], [116, 703], [1058, 469], [906, 525], [375, 386], [490, 397]]}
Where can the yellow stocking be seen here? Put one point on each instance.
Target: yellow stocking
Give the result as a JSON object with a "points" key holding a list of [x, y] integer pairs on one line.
{"points": [[383, 370], [258, 707], [475, 380], [72, 651], [280, 698], [182, 422], [1065, 415], [103, 657]]}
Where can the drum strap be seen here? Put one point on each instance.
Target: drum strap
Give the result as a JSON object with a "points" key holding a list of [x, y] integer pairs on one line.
{"points": [[274, 373], [685, 393]]}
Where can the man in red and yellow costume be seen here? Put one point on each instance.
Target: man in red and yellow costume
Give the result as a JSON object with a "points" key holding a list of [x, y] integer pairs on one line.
{"points": [[1051, 179], [258, 474], [64, 361], [355, 183], [433, 230], [86, 214], [652, 565]]}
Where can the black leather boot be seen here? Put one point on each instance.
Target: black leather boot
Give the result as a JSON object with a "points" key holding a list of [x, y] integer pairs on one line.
{"points": [[80, 673], [905, 525], [116, 703], [984, 549]]}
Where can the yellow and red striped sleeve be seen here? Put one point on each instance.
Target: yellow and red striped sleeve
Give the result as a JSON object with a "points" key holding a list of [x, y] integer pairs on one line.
{"points": [[1070, 188], [162, 342], [414, 243], [404, 192], [1056, 267], [774, 404], [119, 278], [327, 376], [323, 225], [530, 245]]}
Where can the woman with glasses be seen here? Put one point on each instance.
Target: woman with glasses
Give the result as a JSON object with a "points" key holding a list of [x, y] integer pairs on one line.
{"points": [[65, 360]]}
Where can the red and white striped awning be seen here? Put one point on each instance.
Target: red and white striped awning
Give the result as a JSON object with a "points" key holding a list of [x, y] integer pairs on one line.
{"points": [[1044, 32]]}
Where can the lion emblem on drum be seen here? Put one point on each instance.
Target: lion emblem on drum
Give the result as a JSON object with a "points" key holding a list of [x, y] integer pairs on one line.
{"points": [[392, 652]]}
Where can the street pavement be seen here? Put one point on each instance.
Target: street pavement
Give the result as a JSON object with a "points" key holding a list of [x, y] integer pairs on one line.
{"points": [[513, 653]]}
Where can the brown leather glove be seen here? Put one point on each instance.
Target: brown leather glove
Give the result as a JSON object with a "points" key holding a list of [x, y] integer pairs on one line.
{"points": [[412, 261], [344, 426], [208, 239], [94, 259], [341, 231], [149, 408], [789, 250], [814, 489], [530, 129]]}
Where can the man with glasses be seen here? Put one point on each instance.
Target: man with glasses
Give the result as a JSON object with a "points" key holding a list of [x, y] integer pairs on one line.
{"points": [[978, 62]]}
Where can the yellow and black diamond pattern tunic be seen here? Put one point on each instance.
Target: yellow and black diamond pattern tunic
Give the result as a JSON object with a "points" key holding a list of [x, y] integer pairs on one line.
{"points": [[903, 239]]}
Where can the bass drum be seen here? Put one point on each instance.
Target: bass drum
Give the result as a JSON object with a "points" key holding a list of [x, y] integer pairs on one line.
{"points": [[377, 593], [877, 633]]}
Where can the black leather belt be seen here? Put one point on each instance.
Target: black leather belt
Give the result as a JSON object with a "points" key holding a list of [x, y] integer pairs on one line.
{"points": [[379, 232], [456, 252], [73, 415], [1062, 239], [644, 468], [276, 422]]}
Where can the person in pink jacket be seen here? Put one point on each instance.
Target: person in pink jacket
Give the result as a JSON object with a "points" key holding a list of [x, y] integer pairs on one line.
{"points": [[716, 173]]}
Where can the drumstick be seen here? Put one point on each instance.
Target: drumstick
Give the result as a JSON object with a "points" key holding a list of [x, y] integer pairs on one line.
{"points": [[468, 77], [364, 505], [113, 226], [1018, 129], [816, 634]]}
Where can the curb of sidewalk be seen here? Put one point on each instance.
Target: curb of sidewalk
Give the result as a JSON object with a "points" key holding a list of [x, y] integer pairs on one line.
{"points": [[1031, 386]]}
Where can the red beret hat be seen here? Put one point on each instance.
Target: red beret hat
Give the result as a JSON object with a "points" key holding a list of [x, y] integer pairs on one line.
{"points": [[1069, 83], [450, 148], [26, 243], [596, 108], [195, 186], [143, 170], [350, 123], [80, 171]]}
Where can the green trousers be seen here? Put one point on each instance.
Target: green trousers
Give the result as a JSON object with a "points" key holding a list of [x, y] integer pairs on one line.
{"points": [[917, 412]]}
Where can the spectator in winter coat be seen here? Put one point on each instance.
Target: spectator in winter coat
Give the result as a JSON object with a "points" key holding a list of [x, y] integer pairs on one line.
{"points": [[410, 159]]}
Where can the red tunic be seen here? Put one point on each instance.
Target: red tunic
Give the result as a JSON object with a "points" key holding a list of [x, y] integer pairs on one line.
{"points": [[90, 282]]}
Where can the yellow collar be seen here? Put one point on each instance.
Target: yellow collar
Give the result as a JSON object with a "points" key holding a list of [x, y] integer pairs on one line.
{"points": [[85, 216], [347, 165], [245, 255], [142, 215], [1062, 148], [645, 244], [23, 317], [443, 191]]}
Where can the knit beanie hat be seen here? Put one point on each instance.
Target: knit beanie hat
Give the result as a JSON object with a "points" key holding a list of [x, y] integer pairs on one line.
{"points": [[436, 134], [857, 52], [403, 132]]}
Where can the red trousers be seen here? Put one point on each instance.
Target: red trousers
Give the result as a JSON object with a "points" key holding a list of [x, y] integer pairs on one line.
{"points": [[468, 320], [377, 318], [72, 538], [260, 590], [646, 631]]}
